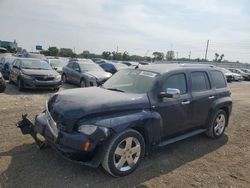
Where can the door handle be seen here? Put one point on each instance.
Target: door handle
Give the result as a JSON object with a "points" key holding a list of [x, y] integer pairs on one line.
{"points": [[211, 97], [185, 102]]}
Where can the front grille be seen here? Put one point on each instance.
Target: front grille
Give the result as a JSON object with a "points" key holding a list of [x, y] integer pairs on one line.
{"points": [[44, 78]]}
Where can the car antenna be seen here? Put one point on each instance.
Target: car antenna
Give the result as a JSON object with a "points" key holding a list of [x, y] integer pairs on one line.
{"points": [[137, 66]]}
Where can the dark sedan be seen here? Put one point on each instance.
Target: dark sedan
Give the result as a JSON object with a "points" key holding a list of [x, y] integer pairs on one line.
{"points": [[34, 73], [113, 67], [84, 73]]}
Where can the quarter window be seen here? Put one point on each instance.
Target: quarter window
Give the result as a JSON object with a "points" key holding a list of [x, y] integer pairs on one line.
{"points": [[200, 81], [219, 79], [177, 81]]}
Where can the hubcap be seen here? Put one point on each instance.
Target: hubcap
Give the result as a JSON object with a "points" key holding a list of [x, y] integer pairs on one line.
{"points": [[127, 154], [220, 124]]}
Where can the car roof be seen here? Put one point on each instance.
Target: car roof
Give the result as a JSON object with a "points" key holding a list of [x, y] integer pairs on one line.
{"points": [[23, 58], [164, 68]]}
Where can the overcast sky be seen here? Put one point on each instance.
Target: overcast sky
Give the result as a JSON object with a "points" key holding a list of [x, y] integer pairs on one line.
{"points": [[137, 26]]}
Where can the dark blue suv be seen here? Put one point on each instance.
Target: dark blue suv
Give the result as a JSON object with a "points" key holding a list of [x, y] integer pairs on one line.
{"points": [[134, 112]]}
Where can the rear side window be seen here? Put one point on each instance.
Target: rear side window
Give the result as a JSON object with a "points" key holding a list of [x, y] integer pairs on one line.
{"points": [[70, 65], [219, 79], [200, 81], [177, 81]]}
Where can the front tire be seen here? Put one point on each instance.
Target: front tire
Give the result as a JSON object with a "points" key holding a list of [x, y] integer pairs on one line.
{"points": [[82, 83], [64, 78], [218, 125], [124, 153], [20, 85]]}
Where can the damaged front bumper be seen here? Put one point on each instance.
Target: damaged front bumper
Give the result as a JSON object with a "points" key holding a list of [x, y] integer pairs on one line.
{"points": [[70, 145]]}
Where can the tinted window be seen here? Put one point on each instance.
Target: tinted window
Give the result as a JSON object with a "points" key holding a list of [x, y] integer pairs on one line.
{"points": [[219, 79], [200, 81], [108, 67], [177, 81], [76, 66]]}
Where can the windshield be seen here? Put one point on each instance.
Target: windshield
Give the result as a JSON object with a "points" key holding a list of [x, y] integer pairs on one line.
{"points": [[131, 81], [35, 64], [57, 63], [90, 67]]}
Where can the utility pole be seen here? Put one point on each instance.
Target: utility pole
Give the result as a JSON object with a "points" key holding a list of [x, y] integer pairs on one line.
{"points": [[206, 50]]}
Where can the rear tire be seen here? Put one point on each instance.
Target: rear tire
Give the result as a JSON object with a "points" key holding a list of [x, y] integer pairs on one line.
{"points": [[218, 124], [124, 153]]}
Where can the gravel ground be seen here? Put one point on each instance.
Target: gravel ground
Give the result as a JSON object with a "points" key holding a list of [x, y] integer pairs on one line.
{"points": [[195, 162]]}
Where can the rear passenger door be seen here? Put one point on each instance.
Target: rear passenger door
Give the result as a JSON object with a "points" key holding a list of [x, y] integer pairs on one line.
{"points": [[203, 96]]}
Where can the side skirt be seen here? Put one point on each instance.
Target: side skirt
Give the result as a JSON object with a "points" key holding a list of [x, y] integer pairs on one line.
{"points": [[182, 137]]}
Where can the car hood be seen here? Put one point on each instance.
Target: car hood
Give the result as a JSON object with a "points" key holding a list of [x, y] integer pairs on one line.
{"points": [[100, 75], [32, 72], [69, 106]]}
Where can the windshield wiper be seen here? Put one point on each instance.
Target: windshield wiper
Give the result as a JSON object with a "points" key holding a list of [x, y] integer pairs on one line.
{"points": [[115, 89]]}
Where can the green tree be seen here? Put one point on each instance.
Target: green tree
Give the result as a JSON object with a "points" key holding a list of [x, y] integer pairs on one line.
{"points": [[221, 57], [216, 56], [106, 55], [66, 52], [170, 55], [159, 56], [53, 51], [85, 54], [125, 56]]}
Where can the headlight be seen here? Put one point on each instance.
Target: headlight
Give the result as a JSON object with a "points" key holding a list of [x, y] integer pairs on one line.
{"points": [[26, 76], [87, 129], [58, 77], [90, 129]]}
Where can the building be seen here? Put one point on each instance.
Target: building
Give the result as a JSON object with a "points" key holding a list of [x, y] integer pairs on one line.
{"points": [[8, 45]]}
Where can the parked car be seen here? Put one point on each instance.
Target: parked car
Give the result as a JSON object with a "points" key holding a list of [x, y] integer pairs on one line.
{"points": [[4, 52], [84, 73], [246, 71], [6, 65], [2, 83], [34, 73], [246, 76], [57, 64], [113, 67], [135, 112]]}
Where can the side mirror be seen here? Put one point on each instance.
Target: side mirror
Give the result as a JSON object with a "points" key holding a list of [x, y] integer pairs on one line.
{"points": [[171, 93]]}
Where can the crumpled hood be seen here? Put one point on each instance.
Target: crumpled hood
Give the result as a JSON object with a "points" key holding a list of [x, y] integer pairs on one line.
{"points": [[100, 75], [69, 106], [32, 72]]}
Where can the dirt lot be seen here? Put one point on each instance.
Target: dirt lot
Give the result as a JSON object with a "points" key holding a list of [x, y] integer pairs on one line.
{"points": [[195, 162]]}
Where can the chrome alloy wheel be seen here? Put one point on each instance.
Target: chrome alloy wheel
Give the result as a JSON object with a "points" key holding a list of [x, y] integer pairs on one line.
{"points": [[220, 124], [127, 154]]}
